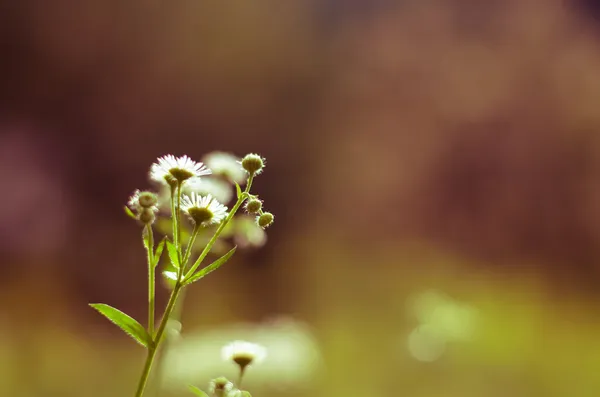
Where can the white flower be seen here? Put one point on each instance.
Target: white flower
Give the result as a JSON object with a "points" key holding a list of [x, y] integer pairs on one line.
{"points": [[218, 188], [203, 210], [134, 201], [170, 169], [226, 165], [244, 353]]}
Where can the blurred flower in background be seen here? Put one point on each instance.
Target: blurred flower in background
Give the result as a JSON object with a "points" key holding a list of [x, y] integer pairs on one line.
{"points": [[293, 362]]}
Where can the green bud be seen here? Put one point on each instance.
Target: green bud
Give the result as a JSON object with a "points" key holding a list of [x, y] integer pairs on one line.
{"points": [[253, 206], [147, 216], [265, 220], [253, 163], [147, 199]]}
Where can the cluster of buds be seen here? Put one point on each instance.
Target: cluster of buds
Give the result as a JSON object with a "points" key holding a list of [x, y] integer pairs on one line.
{"points": [[253, 164], [143, 206]]}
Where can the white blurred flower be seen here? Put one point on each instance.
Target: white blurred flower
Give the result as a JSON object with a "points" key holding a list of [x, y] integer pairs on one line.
{"points": [[203, 210], [170, 169], [243, 353], [294, 358], [218, 188], [226, 165]]}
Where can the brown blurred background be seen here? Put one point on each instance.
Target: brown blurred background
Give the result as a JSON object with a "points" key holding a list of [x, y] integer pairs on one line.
{"points": [[432, 165]]}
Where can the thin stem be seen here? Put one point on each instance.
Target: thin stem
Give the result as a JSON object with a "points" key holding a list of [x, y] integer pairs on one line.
{"points": [[178, 218], [188, 251], [173, 215], [241, 375], [151, 279], [157, 341]]}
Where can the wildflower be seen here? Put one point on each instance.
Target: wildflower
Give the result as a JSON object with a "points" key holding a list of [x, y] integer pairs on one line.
{"points": [[244, 353], [220, 387], [253, 163], [265, 219], [253, 206], [173, 170], [203, 210], [226, 165], [218, 188]]}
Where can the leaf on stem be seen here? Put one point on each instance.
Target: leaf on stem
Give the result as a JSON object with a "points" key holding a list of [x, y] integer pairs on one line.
{"points": [[197, 391], [173, 255], [125, 322], [210, 268], [129, 213], [238, 190], [159, 251]]}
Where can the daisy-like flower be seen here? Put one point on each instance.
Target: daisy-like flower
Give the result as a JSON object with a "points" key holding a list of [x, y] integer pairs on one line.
{"points": [[172, 170], [216, 187], [227, 165], [244, 353], [203, 210]]}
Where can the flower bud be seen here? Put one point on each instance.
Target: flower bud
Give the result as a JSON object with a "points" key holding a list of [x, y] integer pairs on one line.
{"points": [[253, 206], [147, 199], [265, 219], [147, 216], [253, 164]]}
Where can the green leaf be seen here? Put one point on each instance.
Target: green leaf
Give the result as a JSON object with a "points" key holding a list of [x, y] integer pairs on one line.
{"points": [[210, 268], [238, 190], [129, 212], [246, 393], [159, 251], [125, 322], [173, 255], [197, 391]]}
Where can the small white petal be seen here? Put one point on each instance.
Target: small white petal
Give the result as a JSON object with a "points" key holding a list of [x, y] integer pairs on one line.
{"points": [[239, 347], [167, 166]]}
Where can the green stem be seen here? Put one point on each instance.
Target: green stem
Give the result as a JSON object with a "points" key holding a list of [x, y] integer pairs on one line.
{"points": [[178, 219], [173, 215], [151, 280], [188, 251], [153, 348]]}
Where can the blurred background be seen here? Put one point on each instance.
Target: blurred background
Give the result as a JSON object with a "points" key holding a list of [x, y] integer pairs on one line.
{"points": [[433, 167]]}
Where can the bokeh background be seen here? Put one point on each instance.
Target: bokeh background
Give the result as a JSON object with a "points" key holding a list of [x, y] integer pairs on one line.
{"points": [[433, 167]]}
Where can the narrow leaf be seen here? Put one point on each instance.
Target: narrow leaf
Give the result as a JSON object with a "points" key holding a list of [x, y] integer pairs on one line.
{"points": [[238, 190], [173, 255], [159, 251], [129, 212], [125, 322], [197, 391], [210, 268]]}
